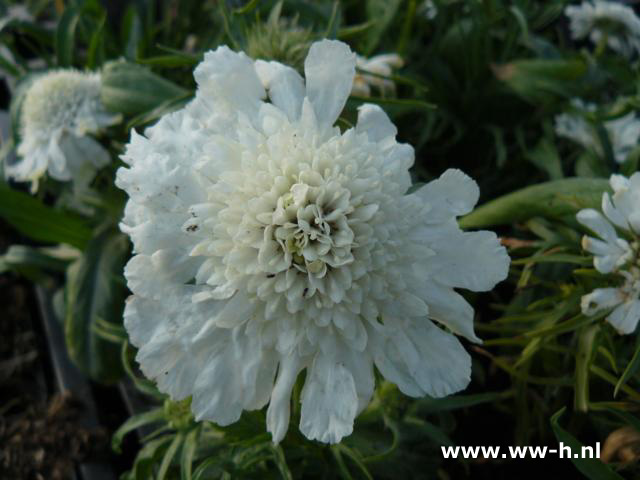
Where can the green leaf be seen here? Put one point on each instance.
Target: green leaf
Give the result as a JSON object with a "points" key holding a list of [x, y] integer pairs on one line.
{"points": [[29, 261], [168, 456], [133, 423], [541, 80], [626, 417], [65, 36], [133, 89], [455, 402], [40, 222], [545, 156], [629, 371], [188, 453], [591, 467], [95, 291], [380, 13], [555, 199], [584, 357], [162, 109], [143, 385], [147, 458]]}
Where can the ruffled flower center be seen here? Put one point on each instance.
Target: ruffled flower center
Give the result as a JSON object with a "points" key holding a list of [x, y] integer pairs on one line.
{"points": [[310, 225]]}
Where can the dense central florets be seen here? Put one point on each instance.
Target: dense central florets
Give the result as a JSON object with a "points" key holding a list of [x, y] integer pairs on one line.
{"points": [[310, 225], [300, 227]]}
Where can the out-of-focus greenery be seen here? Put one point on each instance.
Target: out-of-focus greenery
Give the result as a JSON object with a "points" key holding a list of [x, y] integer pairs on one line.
{"points": [[482, 82]]}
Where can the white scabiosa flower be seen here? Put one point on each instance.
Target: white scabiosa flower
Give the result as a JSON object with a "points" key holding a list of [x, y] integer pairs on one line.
{"points": [[428, 9], [613, 22], [60, 111], [382, 65], [268, 242], [623, 132], [613, 254]]}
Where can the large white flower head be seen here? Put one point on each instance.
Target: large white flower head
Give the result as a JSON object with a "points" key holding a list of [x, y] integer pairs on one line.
{"points": [[267, 242], [600, 20], [60, 111], [380, 66], [613, 254], [623, 132]]}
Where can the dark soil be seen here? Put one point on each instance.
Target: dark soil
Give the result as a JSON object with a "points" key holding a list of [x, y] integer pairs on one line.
{"points": [[40, 437]]}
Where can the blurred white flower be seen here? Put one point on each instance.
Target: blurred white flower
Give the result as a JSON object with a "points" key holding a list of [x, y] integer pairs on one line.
{"points": [[623, 132], [13, 13], [428, 9], [613, 22], [379, 65], [613, 254], [267, 242], [60, 111]]}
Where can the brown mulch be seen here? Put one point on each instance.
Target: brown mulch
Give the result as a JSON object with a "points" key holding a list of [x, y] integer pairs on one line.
{"points": [[40, 436], [44, 442]]}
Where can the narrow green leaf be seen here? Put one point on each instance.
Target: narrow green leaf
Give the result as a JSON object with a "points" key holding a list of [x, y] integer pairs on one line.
{"points": [[542, 80], [41, 222], [632, 368], [189, 448], [133, 89], [65, 36], [592, 468], [586, 341], [381, 13], [18, 257], [454, 402], [247, 8], [148, 457], [133, 423], [95, 291], [169, 455], [554, 258], [555, 199], [626, 417], [142, 384], [281, 462]]}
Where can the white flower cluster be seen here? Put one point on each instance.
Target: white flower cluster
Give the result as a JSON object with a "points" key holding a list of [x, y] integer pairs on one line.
{"points": [[623, 132], [613, 254], [611, 22], [267, 242], [380, 66], [60, 111]]}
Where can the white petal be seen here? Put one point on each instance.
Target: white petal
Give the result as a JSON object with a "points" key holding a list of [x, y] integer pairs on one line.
{"points": [[329, 401], [423, 360], [472, 260], [593, 220], [451, 195], [229, 76], [279, 411], [449, 308], [614, 215], [600, 299], [625, 317], [329, 70], [233, 377], [373, 121], [285, 86]]}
